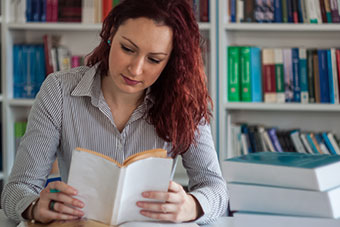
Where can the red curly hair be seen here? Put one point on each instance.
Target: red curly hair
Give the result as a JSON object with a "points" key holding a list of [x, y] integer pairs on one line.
{"points": [[180, 94]]}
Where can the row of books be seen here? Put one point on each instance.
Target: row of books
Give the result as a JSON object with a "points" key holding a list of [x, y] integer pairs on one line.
{"points": [[201, 9], [284, 11], [85, 11], [283, 75], [32, 63], [284, 185], [247, 139]]}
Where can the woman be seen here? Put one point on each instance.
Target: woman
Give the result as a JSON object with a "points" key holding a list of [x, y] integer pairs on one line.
{"points": [[144, 87]]}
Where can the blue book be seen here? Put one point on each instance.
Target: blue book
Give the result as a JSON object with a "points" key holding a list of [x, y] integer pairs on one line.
{"points": [[232, 6], [256, 74], [288, 169], [29, 10], [303, 75], [311, 143], [290, 11], [245, 131], [17, 67], [278, 11], [323, 73], [42, 10], [328, 143], [296, 76], [36, 10], [330, 77], [300, 11]]}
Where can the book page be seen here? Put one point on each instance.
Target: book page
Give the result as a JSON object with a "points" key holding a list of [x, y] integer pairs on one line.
{"points": [[95, 178], [143, 175]]}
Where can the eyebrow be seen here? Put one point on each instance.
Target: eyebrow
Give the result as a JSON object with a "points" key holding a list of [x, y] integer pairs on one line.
{"points": [[153, 53]]}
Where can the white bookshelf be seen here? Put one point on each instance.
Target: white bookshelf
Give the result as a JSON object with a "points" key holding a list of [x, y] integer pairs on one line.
{"points": [[309, 117], [81, 39]]}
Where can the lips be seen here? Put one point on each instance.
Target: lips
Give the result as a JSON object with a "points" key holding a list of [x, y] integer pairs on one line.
{"points": [[129, 81]]}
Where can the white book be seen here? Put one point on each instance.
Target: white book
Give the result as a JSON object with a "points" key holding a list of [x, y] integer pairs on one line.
{"points": [[304, 9], [295, 136], [335, 77], [287, 169], [285, 201], [335, 145], [305, 142], [110, 190], [318, 11], [240, 11], [268, 141], [21, 12], [269, 220], [311, 9]]}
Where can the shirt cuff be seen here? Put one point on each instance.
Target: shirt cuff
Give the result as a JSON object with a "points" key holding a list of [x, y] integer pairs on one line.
{"points": [[23, 204], [205, 205]]}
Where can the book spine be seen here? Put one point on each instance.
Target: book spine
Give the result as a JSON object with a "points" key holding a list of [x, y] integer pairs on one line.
{"points": [[334, 143], [328, 143], [256, 74], [278, 11], [107, 6], [328, 11], [284, 11], [311, 92], [279, 75], [337, 56], [316, 76], [321, 143], [315, 142], [245, 74], [323, 11], [312, 143], [239, 10], [288, 74], [311, 8], [295, 11], [334, 76], [323, 73], [300, 11], [233, 74], [295, 136], [275, 140], [204, 10], [232, 6], [335, 11], [268, 69], [249, 11], [305, 15], [318, 11], [330, 77], [296, 76], [305, 143], [303, 74], [290, 11]]}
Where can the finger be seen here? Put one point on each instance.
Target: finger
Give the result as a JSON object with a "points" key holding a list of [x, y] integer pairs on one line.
{"points": [[51, 215], [160, 216], [163, 196], [59, 207], [62, 187], [63, 198], [158, 207], [174, 187]]}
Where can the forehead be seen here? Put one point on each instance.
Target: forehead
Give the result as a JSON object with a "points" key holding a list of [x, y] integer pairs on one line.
{"points": [[146, 33]]}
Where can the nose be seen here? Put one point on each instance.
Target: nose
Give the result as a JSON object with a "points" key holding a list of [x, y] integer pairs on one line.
{"points": [[136, 66]]}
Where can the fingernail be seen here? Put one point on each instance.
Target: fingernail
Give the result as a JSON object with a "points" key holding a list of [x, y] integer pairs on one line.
{"points": [[139, 204], [80, 204], [146, 194]]}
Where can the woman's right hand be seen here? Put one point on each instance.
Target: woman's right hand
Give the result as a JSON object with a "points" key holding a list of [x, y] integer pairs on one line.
{"points": [[63, 207]]}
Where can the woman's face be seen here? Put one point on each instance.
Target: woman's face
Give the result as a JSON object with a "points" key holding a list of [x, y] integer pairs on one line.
{"points": [[140, 50]]}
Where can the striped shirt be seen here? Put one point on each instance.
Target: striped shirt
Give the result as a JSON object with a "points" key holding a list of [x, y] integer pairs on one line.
{"points": [[70, 111]]}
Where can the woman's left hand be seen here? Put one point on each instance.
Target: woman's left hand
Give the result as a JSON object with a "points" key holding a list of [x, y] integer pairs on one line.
{"points": [[178, 206]]}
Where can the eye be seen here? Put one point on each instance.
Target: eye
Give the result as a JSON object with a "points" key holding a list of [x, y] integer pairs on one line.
{"points": [[154, 60], [126, 49]]}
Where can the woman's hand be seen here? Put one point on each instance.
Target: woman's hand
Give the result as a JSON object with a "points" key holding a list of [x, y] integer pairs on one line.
{"points": [[178, 206], [56, 203]]}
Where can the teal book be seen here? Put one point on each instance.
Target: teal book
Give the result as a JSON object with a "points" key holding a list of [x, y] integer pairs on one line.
{"points": [[256, 74], [292, 170]]}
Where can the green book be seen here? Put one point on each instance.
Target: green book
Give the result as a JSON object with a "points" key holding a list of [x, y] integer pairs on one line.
{"points": [[279, 75], [233, 74], [245, 74]]}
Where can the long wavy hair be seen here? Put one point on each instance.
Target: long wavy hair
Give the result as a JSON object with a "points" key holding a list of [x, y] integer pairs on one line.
{"points": [[180, 94]]}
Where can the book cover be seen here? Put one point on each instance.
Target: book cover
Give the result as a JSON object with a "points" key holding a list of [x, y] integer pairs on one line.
{"points": [[284, 11], [234, 94], [284, 201], [303, 75], [328, 11], [316, 76], [333, 76], [323, 11], [270, 220], [268, 75], [304, 10], [239, 10], [295, 136], [295, 11], [306, 143], [232, 9], [318, 11], [300, 11], [264, 11], [312, 142], [278, 11], [279, 75], [311, 172], [249, 7], [333, 141], [256, 74], [328, 143], [335, 11], [273, 137], [312, 11], [204, 10], [245, 74], [112, 190]]}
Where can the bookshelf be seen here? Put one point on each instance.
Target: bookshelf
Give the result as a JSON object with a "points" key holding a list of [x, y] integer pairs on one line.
{"points": [[309, 117], [81, 39]]}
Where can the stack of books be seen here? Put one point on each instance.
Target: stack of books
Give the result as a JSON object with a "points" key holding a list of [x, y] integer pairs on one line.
{"points": [[284, 187]]}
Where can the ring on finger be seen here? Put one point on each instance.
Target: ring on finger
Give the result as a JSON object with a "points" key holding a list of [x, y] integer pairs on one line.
{"points": [[51, 206]]}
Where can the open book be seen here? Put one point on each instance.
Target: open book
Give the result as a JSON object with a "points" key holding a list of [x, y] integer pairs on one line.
{"points": [[110, 190]]}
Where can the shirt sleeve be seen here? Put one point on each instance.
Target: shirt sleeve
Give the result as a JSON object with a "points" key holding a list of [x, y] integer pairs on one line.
{"points": [[36, 152], [206, 183]]}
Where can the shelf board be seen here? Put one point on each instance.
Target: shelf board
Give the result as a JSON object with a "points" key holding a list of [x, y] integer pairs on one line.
{"points": [[282, 107], [71, 26], [21, 102], [55, 26], [281, 27]]}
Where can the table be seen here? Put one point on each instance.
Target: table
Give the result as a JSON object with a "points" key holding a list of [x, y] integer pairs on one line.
{"points": [[4, 221]]}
